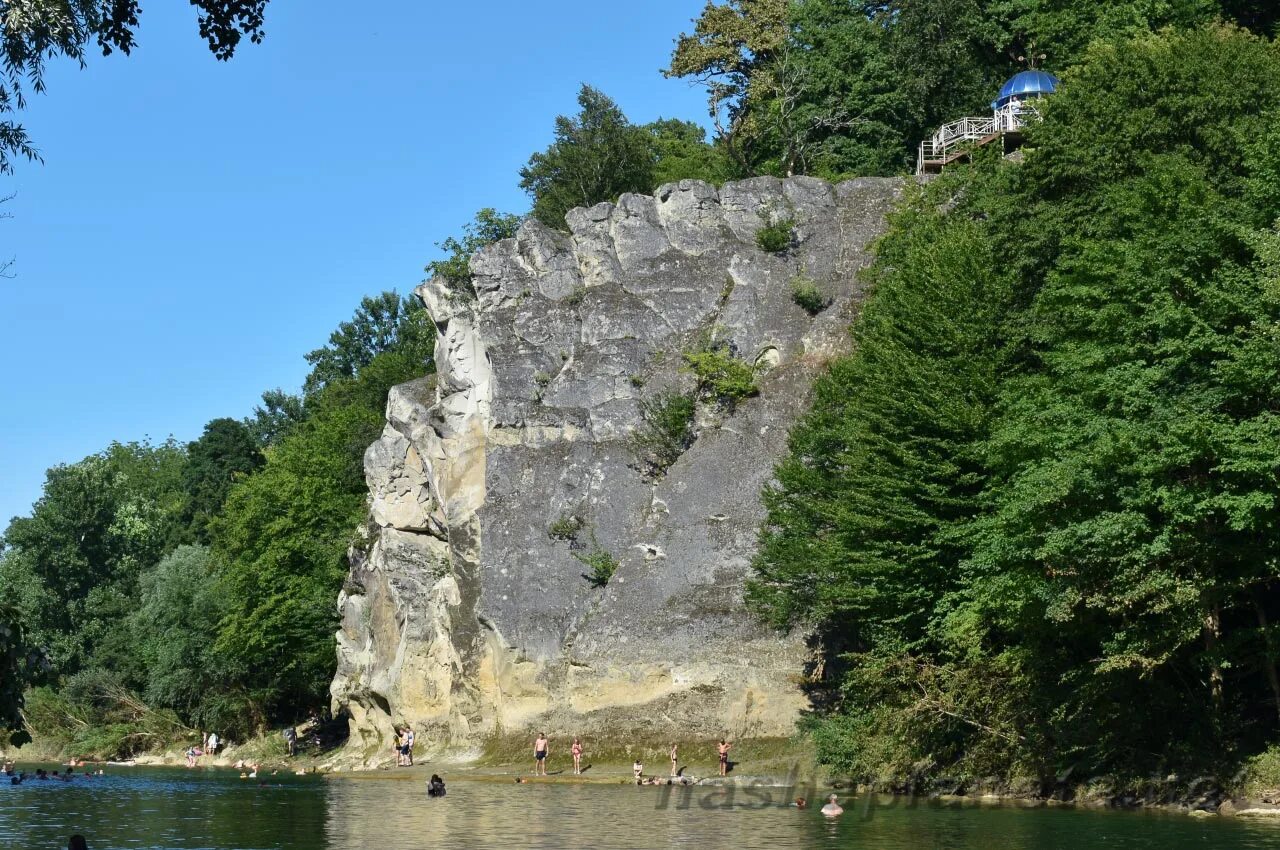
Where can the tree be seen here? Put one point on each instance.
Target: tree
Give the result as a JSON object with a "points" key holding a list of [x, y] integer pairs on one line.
{"points": [[1043, 488], [281, 539], [731, 51], [488, 226], [33, 32], [21, 666], [681, 152], [276, 416], [860, 541], [843, 87], [181, 604], [596, 156], [381, 323], [225, 451], [72, 566]]}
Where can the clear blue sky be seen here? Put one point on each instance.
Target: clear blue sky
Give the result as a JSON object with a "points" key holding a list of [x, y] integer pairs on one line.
{"points": [[198, 226]]}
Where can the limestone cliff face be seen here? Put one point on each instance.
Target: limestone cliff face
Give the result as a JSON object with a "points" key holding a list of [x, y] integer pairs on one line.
{"points": [[464, 614]]}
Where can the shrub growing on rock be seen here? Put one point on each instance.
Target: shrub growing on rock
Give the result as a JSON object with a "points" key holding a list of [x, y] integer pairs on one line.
{"points": [[602, 564], [565, 528], [776, 238], [666, 432], [721, 377], [806, 293]]}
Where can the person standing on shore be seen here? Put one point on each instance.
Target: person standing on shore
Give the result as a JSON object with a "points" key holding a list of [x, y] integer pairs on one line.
{"points": [[212, 748], [675, 757], [397, 743], [576, 749], [723, 749], [541, 749], [408, 747]]}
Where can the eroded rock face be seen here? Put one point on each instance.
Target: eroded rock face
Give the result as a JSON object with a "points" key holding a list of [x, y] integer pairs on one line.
{"points": [[464, 613]]}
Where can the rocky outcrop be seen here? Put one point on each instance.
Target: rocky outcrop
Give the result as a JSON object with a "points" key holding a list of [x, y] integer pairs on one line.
{"points": [[467, 611]]}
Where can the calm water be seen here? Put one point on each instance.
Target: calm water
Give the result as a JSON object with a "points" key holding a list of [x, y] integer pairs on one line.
{"points": [[215, 810]]}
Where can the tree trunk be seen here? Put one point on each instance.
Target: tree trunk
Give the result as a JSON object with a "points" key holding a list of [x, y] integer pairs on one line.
{"points": [[1269, 664], [1213, 631]]}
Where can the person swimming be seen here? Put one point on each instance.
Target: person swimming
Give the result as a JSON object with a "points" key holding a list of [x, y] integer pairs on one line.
{"points": [[435, 786], [832, 808]]}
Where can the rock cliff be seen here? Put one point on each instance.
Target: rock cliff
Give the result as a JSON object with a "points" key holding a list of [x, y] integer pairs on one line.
{"points": [[468, 610]]}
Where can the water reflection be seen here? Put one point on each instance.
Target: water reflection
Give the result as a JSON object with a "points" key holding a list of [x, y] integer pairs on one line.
{"points": [[398, 816], [215, 810]]}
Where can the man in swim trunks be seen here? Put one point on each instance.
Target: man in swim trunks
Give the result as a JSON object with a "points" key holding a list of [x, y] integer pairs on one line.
{"points": [[723, 749], [541, 749], [407, 749], [674, 759]]}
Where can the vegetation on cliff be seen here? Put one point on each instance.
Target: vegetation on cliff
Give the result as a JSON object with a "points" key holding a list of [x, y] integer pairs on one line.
{"points": [[1032, 518]]}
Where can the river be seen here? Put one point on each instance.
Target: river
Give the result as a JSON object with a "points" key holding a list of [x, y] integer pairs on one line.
{"points": [[155, 808]]}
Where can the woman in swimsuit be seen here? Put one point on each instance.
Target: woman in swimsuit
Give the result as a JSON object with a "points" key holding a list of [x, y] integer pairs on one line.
{"points": [[576, 749], [674, 760]]}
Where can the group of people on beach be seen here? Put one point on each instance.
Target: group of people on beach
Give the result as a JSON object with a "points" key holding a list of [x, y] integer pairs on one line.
{"points": [[209, 743], [542, 751]]}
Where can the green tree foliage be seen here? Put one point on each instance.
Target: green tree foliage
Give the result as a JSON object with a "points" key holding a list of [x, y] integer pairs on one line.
{"points": [[382, 323], [225, 451], [21, 666], [488, 227], [182, 602], [732, 51], [33, 32], [1042, 491], [147, 636], [275, 416], [596, 156], [839, 88], [71, 567], [681, 152], [282, 537]]}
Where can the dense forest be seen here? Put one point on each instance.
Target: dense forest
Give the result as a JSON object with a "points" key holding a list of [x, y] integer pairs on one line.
{"points": [[1029, 522]]}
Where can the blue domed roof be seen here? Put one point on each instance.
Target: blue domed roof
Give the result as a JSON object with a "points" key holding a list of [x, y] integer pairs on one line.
{"points": [[1026, 84]]}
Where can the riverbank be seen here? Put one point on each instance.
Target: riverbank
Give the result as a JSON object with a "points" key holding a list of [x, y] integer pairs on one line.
{"points": [[767, 763]]}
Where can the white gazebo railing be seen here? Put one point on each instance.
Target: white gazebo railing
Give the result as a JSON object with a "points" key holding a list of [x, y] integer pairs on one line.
{"points": [[951, 138]]}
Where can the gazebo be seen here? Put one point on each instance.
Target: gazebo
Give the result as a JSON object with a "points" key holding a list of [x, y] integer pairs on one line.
{"points": [[955, 141]]}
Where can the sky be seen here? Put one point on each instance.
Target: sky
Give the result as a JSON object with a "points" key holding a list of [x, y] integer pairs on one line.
{"points": [[197, 226]]}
